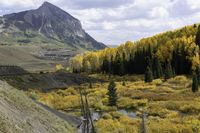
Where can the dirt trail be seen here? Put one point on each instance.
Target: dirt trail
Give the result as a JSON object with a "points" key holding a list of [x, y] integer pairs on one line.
{"points": [[73, 120]]}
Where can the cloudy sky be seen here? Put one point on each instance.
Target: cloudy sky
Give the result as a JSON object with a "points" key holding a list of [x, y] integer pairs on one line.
{"points": [[116, 21]]}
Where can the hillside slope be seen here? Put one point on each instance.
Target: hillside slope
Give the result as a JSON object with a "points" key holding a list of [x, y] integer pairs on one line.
{"points": [[19, 114], [23, 56]]}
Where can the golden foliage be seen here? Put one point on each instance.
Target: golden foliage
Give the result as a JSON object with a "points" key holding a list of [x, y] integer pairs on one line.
{"points": [[170, 105]]}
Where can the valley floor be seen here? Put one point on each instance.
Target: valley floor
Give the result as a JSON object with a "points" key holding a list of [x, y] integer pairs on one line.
{"points": [[170, 105], [34, 58]]}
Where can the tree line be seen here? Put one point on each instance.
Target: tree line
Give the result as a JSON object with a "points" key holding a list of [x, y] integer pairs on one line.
{"points": [[167, 54]]}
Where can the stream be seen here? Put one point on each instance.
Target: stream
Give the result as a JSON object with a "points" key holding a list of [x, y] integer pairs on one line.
{"points": [[97, 115], [76, 121], [128, 113]]}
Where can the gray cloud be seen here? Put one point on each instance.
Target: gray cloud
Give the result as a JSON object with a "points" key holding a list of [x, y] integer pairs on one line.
{"points": [[85, 4], [181, 8]]}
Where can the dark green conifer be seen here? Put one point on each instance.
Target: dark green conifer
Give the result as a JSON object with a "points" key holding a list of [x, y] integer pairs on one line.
{"points": [[198, 74], [149, 62], [194, 83], [148, 77], [123, 83], [168, 71], [197, 40], [106, 66], [150, 52], [157, 69], [118, 65], [112, 94], [90, 85]]}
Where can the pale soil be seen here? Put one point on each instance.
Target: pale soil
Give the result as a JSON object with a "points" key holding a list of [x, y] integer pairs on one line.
{"points": [[19, 114]]}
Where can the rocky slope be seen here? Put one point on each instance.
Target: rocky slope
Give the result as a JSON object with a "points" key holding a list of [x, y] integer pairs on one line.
{"points": [[45, 25], [19, 114]]}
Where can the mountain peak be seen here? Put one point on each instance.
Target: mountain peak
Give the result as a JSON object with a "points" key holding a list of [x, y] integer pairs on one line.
{"points": [[53, 11], [55, 23], [47, 4]]}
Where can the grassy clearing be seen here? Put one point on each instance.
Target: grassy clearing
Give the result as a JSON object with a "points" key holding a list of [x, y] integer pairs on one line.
{"points": [[170, 105]]}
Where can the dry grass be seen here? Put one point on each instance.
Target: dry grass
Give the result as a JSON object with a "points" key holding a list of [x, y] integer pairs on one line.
{"points": [[170, 105]]}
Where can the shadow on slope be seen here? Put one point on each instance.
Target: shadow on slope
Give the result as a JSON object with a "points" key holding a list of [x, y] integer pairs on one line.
{"points": [[47, 81]]}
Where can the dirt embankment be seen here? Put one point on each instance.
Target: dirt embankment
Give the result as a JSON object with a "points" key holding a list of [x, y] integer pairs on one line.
{"points": [[47, 81], [19, 114]]}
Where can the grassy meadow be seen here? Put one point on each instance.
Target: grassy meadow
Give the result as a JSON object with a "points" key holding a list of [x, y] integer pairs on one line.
{"points": [[170, 105]]}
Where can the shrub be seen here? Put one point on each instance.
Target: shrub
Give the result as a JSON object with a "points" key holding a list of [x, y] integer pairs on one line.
{"points": [[178, 80], [172, 105], [106, 116], [157, 81], [191, 108], [34, 96], [128, 103], [108, 126], [116, 114]]}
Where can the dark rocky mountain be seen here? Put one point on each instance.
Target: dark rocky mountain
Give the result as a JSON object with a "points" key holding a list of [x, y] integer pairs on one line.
{"points": [[48, 21]]}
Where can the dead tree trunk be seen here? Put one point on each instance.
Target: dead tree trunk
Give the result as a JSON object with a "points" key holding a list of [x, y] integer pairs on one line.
{"points": [[89, 115], [143, 124], [87, 122]]}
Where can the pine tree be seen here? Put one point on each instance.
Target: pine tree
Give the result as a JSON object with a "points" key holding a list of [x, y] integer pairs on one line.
{"points": [[194, 83], [90, 85], [175, 62], [111, 66], [150, 52], [148, 77], [157, 69], [118, 65], [112, 99], [149, 62], [173, 72], [124, 64], [105, 66], [123, 83], [130, 64], [197, 40], [198, 74], [168, 71]]}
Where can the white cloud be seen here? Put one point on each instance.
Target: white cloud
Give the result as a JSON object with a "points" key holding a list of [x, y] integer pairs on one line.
{"points": [[109, 25], [159, 12], [116, 21], [17, 3], [194, 4]]}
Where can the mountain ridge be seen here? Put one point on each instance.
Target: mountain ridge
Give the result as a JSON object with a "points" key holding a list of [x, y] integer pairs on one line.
{"points": [[52, 22]]}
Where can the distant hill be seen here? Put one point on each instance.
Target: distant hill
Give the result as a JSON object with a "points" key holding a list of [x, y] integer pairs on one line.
{"points": [[46, 25], [112, 46]]}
